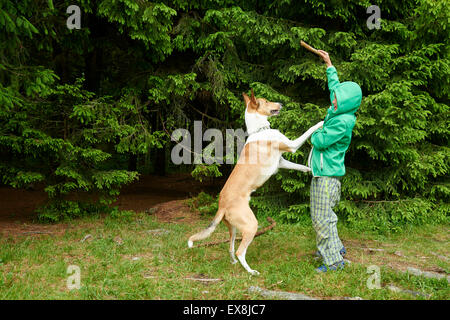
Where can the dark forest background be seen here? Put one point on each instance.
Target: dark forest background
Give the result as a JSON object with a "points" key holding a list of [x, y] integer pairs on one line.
{"points": [[86, 111]]}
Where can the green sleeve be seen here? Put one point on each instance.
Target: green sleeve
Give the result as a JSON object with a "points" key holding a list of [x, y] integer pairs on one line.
{"points": [[332, 77], [333, 131]]}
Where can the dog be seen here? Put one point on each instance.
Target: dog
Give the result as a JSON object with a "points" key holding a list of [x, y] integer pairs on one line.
{"points": [[260, 158]]}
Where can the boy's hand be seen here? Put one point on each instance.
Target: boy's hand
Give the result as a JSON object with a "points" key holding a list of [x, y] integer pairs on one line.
{"points": [[325, 57]]}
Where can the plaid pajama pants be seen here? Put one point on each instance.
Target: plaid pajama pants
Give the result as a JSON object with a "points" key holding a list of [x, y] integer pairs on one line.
{"points": [[325, 194]]}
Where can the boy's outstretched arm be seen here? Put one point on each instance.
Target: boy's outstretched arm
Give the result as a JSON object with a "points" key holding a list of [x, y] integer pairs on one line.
{"points": [[332, 133], [332, 76]]}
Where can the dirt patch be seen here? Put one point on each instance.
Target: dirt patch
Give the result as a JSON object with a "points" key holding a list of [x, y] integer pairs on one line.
{"points": [[29, 229], [18, 215], [152, 190], [176, 211], [16, 211]]}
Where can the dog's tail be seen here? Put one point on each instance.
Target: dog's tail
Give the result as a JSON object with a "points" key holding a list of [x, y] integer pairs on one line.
{"points": [[205, 233]]}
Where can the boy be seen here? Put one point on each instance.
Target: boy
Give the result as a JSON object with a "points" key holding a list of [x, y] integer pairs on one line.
{"points": [[327, 163]]}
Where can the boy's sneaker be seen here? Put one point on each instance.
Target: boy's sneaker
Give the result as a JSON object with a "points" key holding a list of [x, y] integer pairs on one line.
{"points": [[343, 252], [335, 266]]}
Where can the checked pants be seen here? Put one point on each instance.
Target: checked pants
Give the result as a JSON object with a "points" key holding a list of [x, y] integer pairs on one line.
{"points": [[325, 194]]}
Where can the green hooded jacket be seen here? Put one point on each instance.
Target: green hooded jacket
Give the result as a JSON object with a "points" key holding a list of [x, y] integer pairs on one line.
{"points": [[332, 141]]}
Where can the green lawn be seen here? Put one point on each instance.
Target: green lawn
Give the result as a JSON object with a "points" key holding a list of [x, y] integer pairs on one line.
{"points": [[123, 260]]}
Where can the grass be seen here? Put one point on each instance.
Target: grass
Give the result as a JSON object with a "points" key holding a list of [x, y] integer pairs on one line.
{"points": [[143, 265]]}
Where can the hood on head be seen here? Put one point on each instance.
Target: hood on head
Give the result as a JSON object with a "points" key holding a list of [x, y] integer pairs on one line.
{"points": [[348, 96]]}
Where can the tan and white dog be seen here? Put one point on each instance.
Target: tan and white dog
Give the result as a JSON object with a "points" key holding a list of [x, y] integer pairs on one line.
{"points": [[259, 160]]}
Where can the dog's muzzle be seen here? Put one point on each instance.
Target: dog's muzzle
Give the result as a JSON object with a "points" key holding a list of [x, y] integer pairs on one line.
{"points": [[276, 111]]}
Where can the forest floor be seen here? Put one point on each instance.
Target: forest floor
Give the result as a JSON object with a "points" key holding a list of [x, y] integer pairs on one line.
{"points": [[144, 255], [17, 206]]}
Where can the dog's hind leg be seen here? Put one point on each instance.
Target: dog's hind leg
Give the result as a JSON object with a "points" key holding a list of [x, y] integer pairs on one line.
{"points": [[247, 238], [232, 231], [248, 233]]}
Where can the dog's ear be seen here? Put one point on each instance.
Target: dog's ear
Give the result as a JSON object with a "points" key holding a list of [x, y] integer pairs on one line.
{"points": [[253, 97], [250, 102], [246, 98]]}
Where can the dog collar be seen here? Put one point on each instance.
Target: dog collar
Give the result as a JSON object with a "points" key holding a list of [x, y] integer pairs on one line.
{"points": [[260, 129]]}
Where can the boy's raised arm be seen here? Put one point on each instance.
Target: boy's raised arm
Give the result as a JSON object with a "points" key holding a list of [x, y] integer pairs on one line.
{"points": [[332, 76]]}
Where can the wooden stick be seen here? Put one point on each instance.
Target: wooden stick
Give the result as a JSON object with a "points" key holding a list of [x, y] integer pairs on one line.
{"points": [[203, 280], [308, 47], [279, 295], [36, 232], [273, 224]]}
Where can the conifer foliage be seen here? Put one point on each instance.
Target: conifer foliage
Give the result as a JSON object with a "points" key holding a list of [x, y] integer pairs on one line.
{"points": [[79, 106]]}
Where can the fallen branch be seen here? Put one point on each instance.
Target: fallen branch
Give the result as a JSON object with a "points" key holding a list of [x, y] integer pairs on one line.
{"points": [[271, 226], [86, 237], [374, 249], [204, 280], [36, 232], [368, 249], [411, 292], [440, 256], [427, 274], [282, 295]]}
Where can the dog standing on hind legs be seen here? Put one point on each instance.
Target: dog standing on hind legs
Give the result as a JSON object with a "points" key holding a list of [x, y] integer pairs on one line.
{"points": [[260, 158]]}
